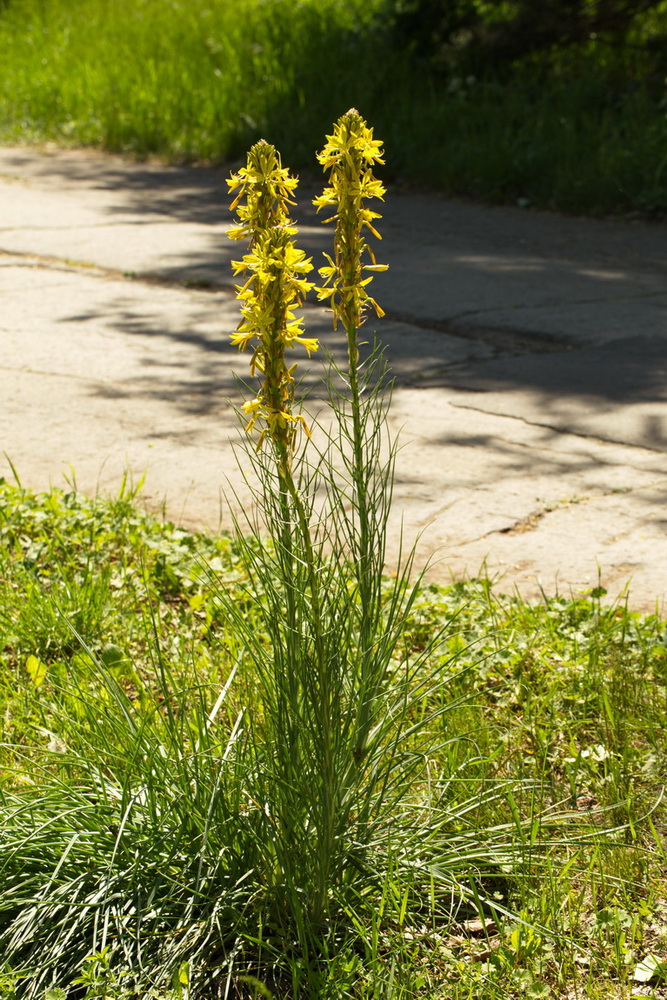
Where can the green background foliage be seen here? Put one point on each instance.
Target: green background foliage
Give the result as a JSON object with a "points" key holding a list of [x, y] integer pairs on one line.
{"points": [[497, 34], [573, 120]]}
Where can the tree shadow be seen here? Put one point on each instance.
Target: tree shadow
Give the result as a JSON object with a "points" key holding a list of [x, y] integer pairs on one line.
{"points": [[450, 261], [615, 391], [483, 278]]}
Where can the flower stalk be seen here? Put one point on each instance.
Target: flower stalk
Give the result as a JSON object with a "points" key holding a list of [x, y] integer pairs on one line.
{"points": [[274, 288], [349, 155]]}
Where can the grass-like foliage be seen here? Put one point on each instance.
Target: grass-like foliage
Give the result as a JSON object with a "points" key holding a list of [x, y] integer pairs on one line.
{"points": [[581, 130], [257, 766], [127, 774]]}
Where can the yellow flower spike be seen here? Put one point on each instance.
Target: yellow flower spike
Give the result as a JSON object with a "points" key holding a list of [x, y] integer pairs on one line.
{"points": [[275, 286], [349, 154], [267, 187]]}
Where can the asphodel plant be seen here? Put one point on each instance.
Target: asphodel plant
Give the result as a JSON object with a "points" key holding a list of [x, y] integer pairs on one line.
{"points": [[275, 286], [348, 157], [331, 772], [341, 801]]}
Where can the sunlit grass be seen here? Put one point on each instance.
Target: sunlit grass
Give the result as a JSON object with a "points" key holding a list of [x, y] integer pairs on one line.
{"points": [[554, 708], [202, 80], [192, 80]]}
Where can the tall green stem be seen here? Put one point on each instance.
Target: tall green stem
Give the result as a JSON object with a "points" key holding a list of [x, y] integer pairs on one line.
{"points": [[291, 505], [351, 267]]}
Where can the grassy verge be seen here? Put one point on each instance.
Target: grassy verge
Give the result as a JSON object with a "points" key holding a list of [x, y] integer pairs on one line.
{"points": [[115, 663], [203, 80]]}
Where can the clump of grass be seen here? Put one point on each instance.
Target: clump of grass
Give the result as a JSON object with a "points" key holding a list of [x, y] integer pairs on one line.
{"points": [[194, 81], [578, 143]]}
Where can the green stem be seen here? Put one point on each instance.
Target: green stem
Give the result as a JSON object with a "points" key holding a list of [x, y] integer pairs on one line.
{"points": [[292, 503], [349, 255], [358, 475], [323, 708]]}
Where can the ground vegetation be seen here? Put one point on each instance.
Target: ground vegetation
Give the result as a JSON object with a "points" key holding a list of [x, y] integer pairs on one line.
{"points": [[557, 105]]}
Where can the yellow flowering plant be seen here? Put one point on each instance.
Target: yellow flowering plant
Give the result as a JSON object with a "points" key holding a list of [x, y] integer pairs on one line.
{"points": [[341, 744], [275, 286], [323, 676], [348, 158]]}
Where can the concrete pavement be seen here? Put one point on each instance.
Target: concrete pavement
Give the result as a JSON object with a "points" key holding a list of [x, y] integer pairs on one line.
{"points": [[530, 352]]}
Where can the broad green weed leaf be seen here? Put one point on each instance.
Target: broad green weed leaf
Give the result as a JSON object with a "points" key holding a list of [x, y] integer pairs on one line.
{"points": [[36, 670], [651, 967], [113, 657]]}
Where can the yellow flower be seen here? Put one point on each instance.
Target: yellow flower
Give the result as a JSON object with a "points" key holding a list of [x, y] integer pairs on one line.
{"points": [[253, 408], [274, 287], [349, 154], [267, 187]]}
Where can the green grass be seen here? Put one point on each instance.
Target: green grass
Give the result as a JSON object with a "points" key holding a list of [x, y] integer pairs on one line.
{"points": [[202, 80], [130, 724], [183, 80]]}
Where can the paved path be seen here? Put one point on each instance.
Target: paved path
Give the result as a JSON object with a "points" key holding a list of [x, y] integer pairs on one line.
{"points": [[530, 352]]}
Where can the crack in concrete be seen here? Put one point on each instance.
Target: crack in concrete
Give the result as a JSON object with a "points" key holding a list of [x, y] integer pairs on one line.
{"points": [[508, 337], [558, 455], [532, 521], [561, 302], [49, 262], [528, 523], [559, 430], [499, 339], [18, 370], [504, 339], [158, 220]]}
